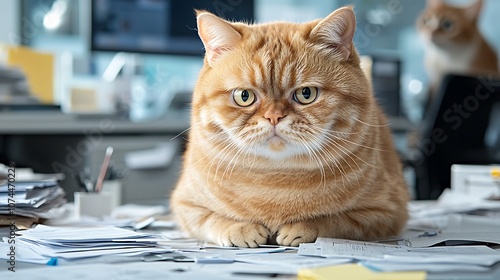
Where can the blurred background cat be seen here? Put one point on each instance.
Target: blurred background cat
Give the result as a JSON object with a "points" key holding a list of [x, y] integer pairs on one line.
{"points": [[454, 43]]}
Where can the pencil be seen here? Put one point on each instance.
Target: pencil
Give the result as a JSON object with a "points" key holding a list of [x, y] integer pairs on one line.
{"points": [[104, 168]]}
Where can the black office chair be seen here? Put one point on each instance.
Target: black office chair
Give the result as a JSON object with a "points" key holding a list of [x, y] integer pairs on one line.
{"points": [[462, 126]]}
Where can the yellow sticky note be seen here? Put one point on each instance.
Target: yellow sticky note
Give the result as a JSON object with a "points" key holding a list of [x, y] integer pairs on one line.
{"points": [[38, 68], [495, 172], [358, 272]]}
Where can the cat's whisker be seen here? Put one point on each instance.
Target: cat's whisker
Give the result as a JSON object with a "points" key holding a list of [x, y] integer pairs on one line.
{"points": [[230, 148], [219, 151], [330, 130], [333, 159], [250, 148], [330, 158], [185, 130], [340, 147], [332, 141], [236, 155], [313, 154], [221, 156], [358, 144], [329, 134], [346, 153], [225, 140], [207, 154], [230, 165], [372, 125]]}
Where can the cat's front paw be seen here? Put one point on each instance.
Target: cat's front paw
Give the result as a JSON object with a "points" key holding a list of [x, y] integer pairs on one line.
{"points": [[296, 233], [244, 235]]}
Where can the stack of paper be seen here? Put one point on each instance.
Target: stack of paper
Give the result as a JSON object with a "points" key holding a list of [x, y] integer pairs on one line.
{"points": [[44, 242], [38, 199], [387, 257]]}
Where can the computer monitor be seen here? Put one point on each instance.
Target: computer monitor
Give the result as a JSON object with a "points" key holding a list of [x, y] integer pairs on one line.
{"points": [[157, 26], [386, 73]]}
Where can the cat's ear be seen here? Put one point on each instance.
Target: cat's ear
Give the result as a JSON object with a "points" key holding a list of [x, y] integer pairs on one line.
{"points": [[217, 35], [434, 3], [473, 10], [336, 31]]}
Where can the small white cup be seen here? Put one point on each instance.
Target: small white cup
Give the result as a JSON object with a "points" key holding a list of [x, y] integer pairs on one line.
{"points": [[93, 204]]}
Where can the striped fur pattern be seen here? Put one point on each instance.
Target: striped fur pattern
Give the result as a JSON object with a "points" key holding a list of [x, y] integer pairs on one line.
{"points": [[287, 143]]}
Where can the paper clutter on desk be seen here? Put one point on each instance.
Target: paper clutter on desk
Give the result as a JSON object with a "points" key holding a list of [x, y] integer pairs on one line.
{"points": [[387, 257], [37, 199], [84, 242]]}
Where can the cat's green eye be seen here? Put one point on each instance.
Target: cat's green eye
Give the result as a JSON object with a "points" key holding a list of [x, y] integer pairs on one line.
{"points": [[243, 97], [305, 95]]}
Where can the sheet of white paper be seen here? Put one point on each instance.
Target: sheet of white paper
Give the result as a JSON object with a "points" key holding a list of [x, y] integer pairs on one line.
{"points": [[22, 253], [292, 260], [141, 270], [338, 248], [426, 241], [23, 187], [129, 251], [342, 248], [475, 255], [429, 267], [69, 234]]}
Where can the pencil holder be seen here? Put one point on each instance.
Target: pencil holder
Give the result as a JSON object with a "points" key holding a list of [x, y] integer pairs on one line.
{"points": [[93, 204], [114, 188]]}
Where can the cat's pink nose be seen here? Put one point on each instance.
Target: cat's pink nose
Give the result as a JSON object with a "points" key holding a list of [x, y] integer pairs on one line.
{"points": [[274, 116]]}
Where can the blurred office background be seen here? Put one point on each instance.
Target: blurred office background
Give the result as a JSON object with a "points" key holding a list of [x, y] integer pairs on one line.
{"points": [[65, 28]]}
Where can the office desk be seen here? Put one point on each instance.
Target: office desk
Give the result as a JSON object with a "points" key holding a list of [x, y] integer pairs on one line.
{"points": [[134, 268], [50, 141], [58, 123]]}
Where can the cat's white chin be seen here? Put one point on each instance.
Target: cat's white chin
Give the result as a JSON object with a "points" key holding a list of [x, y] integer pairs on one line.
{"points": [[276, 143], [277, 148]]}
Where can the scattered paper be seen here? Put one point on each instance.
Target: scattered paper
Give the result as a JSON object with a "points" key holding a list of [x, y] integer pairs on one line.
{"points": [[454, 238]]}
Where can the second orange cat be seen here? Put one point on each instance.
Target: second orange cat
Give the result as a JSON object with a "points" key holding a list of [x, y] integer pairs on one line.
{"points": [[453, 42]]}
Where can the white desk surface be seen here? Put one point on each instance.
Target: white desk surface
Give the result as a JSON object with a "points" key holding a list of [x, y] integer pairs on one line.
{"points": [[133, 268]]}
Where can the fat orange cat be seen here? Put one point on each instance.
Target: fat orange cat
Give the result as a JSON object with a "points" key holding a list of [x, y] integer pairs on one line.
{"points": [[453, 42], [287, 142]]}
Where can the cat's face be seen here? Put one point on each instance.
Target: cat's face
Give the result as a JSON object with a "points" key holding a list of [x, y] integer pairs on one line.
{"points": [[445, 25], [281, 90]]}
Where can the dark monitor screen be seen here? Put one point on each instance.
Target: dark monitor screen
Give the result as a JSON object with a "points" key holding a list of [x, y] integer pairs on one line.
{"points": [[386, 78], [157, 26]]}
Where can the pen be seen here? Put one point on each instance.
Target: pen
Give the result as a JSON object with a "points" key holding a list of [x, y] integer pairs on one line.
{"points": [[104, 168]]}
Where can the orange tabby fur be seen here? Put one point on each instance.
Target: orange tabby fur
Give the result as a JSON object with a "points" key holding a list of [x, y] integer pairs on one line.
{"points": [[458, 48], [277, 170]]}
